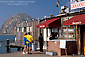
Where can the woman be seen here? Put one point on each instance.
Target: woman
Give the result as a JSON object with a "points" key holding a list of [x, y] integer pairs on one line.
{"points": [[25, 49]]}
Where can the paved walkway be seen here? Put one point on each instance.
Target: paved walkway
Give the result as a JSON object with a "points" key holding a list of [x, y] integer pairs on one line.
{"points": [[35, 54]]}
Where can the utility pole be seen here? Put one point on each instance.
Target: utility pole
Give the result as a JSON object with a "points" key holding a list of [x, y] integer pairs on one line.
{"points": [[58, 5]]}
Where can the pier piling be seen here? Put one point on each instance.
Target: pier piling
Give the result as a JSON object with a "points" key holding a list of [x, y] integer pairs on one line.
{"points": [[7, 48]]}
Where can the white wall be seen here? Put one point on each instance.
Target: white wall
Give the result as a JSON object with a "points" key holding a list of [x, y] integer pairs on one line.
{"points": [[49, 33], [45, 38], [45, 34], [17, 29], [31, 29], [27, 29], [22, 29]]}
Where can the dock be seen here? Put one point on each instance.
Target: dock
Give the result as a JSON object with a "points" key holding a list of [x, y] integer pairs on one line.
{"points": [[12, 45]]}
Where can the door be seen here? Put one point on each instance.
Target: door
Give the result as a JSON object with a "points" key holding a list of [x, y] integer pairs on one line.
{"points": [[84, 39]]}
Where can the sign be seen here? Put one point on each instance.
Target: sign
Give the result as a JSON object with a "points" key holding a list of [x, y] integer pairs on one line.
{"points": [[76, 22], [42, 26], [72, 30], [66, 18], [62, 43], [78, 5], [69, 35]]}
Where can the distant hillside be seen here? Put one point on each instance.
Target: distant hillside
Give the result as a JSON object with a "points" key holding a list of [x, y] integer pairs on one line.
{"points": [[9, 25]]}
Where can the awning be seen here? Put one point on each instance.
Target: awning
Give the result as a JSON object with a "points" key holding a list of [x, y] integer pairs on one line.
{"points": [[76, 20], [50, 23]]}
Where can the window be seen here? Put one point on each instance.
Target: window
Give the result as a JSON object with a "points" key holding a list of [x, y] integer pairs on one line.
{"points": [[24, 29], [55, 31], [20, 29]]}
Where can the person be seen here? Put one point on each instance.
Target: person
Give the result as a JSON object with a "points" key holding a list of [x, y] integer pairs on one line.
{"points": [[41, 42], [25, 49], [52, 36], [29, 42]]}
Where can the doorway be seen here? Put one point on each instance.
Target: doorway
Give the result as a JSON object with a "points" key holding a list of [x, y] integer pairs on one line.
{"points": [[82, 39]]}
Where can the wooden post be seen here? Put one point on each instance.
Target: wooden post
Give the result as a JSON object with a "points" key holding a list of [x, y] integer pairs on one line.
{"points": [[18, 49], [79, 41], [78, 48], [66, 51], [76, 39], [7, 48]]}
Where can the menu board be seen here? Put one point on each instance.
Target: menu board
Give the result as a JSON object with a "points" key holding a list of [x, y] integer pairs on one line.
{"points": [[69, 32], [62, 43], [72, 30], [69, 36]]}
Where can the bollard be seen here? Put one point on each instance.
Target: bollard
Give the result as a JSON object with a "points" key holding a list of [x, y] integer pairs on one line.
{"points": [[7, 43], [18, 49], [22, 48]]}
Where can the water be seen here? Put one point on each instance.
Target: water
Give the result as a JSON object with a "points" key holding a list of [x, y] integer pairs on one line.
{"points": [[3, 38]]}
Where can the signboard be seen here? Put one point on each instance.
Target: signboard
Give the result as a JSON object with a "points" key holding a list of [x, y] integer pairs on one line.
{"points": [[72, 30], [62, 43], [69, 31], [71, 36], [42, 26], [78, 5], [66, 18], [79, 22]]}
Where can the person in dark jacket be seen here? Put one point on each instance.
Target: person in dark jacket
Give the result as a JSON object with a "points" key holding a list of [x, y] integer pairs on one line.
{"points": [[41, 42]]}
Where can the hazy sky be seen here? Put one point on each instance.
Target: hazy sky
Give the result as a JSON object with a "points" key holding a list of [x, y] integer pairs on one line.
{"points": [[34, 8]]}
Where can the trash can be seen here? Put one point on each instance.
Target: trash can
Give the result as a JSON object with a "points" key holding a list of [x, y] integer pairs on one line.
{"points": [[34, 46]]}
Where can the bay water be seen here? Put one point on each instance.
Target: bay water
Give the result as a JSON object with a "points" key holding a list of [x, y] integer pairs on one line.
{"points": [[3, 39]]}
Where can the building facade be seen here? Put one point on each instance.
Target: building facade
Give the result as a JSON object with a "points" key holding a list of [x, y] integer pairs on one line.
{"points": [[26, 27]]}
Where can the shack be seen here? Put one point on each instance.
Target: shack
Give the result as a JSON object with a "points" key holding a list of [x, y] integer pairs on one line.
{"points": [[69, 27], [54, 24]]}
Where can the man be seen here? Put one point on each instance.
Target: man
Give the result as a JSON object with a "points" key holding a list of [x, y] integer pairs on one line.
{"points": [[41, 42], [29, 42]]}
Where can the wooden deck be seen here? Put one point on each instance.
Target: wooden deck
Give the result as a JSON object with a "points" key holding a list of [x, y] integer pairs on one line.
{"points": [[13, 46]]}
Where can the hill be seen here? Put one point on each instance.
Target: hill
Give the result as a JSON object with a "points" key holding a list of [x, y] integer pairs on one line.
{"points": [[9, 26]]}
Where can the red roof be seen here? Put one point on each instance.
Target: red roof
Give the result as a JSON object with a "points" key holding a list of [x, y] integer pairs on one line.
{"points": [[76, 20], [50, 23]]}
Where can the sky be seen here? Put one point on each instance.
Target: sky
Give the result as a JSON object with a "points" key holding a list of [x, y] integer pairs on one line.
{"points": [[34, 8]]}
